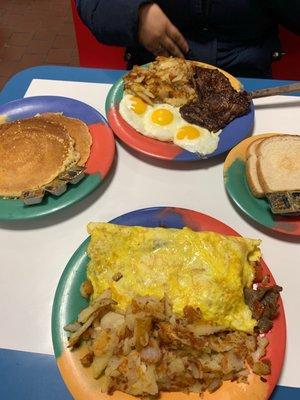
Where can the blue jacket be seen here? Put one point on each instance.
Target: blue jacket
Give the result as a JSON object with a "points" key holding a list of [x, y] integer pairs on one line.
{"points": [[237, 35]]}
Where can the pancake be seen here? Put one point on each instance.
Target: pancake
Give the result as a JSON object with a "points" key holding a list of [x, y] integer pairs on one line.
{"points": [[33, 152], [77, 129]]}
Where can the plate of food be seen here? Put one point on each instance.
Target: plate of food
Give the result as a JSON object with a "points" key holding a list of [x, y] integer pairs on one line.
{"points": [[168, 302], [262, 177], [55, 151], [179, 110]]}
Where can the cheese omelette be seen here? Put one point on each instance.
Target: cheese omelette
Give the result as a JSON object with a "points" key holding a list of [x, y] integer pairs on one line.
{"points": [[200, 269]]}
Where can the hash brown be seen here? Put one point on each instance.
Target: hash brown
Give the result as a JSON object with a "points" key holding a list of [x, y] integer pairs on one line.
{"points": [[166, 80]]}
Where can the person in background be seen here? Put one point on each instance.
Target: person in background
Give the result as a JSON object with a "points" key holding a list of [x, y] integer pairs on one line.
{"points": [[240, 36]]}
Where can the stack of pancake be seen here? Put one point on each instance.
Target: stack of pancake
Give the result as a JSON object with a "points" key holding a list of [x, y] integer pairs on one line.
{"points": [[37, 152]]}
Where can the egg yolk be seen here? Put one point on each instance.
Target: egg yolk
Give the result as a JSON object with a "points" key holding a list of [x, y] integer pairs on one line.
{"points": [[161, 116], [189, 132], [138, 105]]}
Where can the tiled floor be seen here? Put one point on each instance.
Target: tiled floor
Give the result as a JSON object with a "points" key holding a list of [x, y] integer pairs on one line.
{"points": [[35, 32]]}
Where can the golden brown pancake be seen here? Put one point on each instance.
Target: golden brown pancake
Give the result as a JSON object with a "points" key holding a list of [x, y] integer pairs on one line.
{"points": [[4, 126], [33, 152], [77, 129]]}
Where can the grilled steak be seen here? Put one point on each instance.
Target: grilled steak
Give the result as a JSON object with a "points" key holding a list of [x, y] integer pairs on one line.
{"points": [[217, 103], [210, 81]]}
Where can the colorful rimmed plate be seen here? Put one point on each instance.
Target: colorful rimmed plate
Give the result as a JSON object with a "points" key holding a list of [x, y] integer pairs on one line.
{"points": [[239, 191], [68, 303], [98, 164], [232, 134]]}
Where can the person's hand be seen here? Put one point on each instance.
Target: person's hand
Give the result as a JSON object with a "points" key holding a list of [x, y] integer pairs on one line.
{"points": [[157, 33]]}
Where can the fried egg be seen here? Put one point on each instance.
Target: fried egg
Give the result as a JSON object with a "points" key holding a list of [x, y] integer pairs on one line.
{"points": [[161, 122], [164, 122], [133, 110], [200, 269], [195, 139]]}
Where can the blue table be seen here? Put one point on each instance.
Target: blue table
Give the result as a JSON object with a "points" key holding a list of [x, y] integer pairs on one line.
{"points": [[31, 376]]}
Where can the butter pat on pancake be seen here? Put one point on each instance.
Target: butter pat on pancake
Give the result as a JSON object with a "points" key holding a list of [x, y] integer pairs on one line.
{"points": [[201, 269], [78, 131], [33, 152]]}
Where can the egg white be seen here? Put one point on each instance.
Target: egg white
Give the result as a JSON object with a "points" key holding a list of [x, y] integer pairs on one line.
{"points": [[164, 133], [206, 143], [132, 118]]}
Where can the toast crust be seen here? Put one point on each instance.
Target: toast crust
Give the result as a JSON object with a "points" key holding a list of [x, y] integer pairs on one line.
{"points": [[251, 170]]}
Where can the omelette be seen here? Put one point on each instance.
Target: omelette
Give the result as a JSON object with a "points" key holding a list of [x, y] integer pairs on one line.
{"points": [[199, 269]]}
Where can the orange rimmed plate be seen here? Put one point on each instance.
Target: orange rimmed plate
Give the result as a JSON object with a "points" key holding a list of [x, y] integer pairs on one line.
{"points": [[68, 303]]}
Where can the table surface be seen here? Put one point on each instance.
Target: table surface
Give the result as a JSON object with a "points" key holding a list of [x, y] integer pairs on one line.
{"points": [[34, 253]]}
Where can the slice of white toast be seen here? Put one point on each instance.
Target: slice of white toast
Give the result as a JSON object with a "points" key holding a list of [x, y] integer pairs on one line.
{"points": [[251, 169], [278, 163]]}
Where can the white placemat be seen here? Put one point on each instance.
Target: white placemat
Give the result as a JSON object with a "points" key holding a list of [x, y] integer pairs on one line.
{"points": [[34, 253]]}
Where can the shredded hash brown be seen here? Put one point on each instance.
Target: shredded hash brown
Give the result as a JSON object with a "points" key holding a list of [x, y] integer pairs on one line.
{"points": [[166, 80], [148, 348]]}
